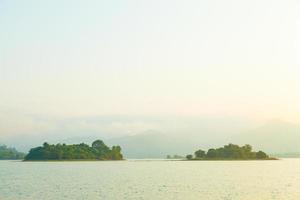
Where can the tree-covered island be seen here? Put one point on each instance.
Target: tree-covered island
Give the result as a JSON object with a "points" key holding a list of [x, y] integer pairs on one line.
{"points": [[174, 157], [230, 152], [7, 153], [98, 151]]}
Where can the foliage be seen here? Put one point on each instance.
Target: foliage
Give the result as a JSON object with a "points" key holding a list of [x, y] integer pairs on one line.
{"points": [[98, 151], [229, 152], [200, 154], [10, 153], [174, 157], [261, 155]]}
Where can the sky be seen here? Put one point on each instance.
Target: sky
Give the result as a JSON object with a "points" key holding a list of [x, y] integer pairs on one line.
{"points": [[62, 60]]}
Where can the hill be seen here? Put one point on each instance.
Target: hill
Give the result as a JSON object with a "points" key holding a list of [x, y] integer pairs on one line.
{"points": [[276, 137]]}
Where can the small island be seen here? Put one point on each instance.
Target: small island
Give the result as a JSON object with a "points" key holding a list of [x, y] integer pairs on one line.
{"points": [[230, 152], [7, 153], [60, 152], [174, 157]]}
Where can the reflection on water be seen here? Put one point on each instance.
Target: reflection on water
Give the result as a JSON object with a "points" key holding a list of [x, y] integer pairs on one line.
{"points": [[182, 180]]}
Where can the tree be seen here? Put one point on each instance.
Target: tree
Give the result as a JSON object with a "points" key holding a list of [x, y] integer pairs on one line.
{"points": [[261, 155], [231, 152], [116, 153], [98, 144], [45, 145], [247, 148], [212, 153], [200, 154], [7, 153], [189, 157], [98, 150]]}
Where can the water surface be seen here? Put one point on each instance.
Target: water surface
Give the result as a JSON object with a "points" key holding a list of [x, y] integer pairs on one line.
{"points": [[168, 180]]}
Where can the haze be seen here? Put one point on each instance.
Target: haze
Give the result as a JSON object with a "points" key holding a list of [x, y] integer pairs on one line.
{"points": [[75, 68]]}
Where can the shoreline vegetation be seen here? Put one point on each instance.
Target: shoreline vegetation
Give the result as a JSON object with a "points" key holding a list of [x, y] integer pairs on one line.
{"points": [[230, 152], [174, 157], [98, 151], [7, 153]]}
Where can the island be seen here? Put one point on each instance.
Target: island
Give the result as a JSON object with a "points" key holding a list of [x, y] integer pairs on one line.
{"points": [[61, 152], [230, 152], [7, 153], [174, 157]]}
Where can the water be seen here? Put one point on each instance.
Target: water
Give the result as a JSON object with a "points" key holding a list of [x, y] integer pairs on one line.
{"points": [[182, 180]]}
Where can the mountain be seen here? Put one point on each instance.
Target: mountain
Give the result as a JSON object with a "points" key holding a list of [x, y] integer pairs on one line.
{"points": [[153, 144], [276, 137], [149, 144], [139, 137], [179, 137]]}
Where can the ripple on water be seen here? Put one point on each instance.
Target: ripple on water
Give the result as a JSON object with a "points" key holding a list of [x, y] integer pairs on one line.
{"points": [[259, 180]]}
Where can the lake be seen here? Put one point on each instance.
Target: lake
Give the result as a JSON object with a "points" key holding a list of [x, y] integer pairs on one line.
{"points": [[159, 179]]}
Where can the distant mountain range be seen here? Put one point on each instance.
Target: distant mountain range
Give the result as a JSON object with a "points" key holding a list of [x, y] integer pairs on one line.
{"points": [[152, 144], [275, 137]]}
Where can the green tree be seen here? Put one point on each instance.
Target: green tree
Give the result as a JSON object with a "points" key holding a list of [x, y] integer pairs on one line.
{"points": [[212, 153], [7, 153], [231, 152], [200, 154], [261, 155], [99, 144], [82, 151]]}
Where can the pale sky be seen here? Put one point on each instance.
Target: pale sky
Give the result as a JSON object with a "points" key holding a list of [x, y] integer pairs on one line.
{"points": [[76, 58]]}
